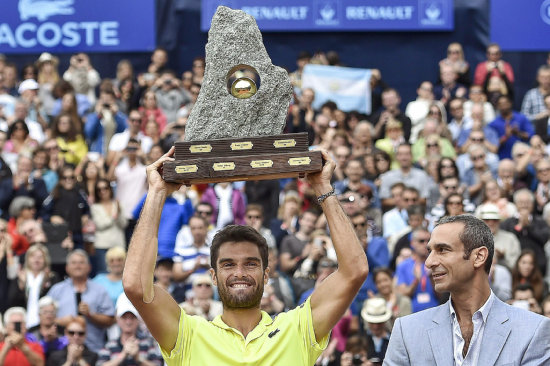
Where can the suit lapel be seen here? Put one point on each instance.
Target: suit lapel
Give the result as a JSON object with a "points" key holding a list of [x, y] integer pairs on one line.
{"points": [[496, 333], [441, 336]]}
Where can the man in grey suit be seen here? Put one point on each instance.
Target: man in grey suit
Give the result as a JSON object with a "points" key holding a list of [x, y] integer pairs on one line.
{"points": [[474, 327]]}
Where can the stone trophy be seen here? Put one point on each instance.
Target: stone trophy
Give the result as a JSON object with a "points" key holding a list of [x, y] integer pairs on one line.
{"points": [[234, 130]]}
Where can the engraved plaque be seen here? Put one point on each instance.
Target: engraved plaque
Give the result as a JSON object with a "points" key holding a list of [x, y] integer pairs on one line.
{"points": [[284, 143], [200, 148], [228, 165], [261, 164], [306, 160], [186, 169], [244, 145]]}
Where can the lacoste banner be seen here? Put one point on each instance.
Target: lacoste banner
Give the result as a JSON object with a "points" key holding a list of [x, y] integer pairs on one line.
{"points": [[33, 26], [341, 15]]}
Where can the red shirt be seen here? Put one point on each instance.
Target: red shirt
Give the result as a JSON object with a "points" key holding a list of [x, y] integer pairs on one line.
{"points": [[20, 244], [16, 357]]}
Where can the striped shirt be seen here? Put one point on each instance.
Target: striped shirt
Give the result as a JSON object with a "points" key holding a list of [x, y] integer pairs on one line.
{"points": [[186, 257]]}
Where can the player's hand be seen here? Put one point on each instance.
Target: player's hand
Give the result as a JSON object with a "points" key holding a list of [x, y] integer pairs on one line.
{"points": [[320, 181], [154, 175]]}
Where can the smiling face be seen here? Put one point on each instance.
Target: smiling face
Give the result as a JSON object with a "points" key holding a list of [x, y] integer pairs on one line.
{"points": [[526, 264], [450, 271], [239, 275]]}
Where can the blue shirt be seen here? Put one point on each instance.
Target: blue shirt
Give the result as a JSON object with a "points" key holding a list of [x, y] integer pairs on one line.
{"points": [[499, 125], [114, 289], [424, 296], [97, 299]]}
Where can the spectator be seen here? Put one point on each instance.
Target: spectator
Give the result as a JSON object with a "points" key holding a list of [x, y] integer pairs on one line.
{"points": [[21, 210], [34, 280], [412, 275], [375, 314], [46, 332], [17, 349], [282, 287], [150, 112], [201, 302], [477, 96], [459, 121], [129, 174], [120, 140], [292, 246], [41, 170], [36, 129], [82, 76], [524, 299], [266, 194], [19, 139], [533, 106], [302, 113], [112, 280], [494, 66], [104, 122], [254, 218], [500, 280], [362, 139], [546, 307], [170, 95], [541, 123], [133, 347], [287, 218], [455, 59], [395, 219], [198, 70], [22, 184], [88, 172], [95, 305], [76, 352], [8, 265], [449, 88], [70, 141], [492, 193], [416, 218], [159, 59], [410, 176], [510, 126], [454, 204], [399, 305], [163, 276], [432, 146], [525, 271], [507, 247], [477, 175], [109, 221], [67, 204], [394, 137], [48, 76], [418, 109], [192, 258], [390, 102], [478, 134], [530, 229], [296, 76], [227, 202]]}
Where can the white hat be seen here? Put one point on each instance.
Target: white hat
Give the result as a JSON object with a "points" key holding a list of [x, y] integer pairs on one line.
{"points": [[375, 310], [47, 57], [123, 306], [488, 211], [29, 84]]}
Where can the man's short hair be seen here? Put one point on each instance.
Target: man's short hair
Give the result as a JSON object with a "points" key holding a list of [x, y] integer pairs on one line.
{"points": [[255, 207], [80, 252], [523, 287], [197, 216], [416, 210], [238, 233], [524, 191], [476, 234]]}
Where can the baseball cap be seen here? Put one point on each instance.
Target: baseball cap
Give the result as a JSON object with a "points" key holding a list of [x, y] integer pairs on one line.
{"points": [[29, 84], [123, 306]]}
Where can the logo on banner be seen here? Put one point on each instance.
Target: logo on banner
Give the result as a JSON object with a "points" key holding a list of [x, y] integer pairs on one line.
{"points": [[326, 13], [43, 9], [431, 12], [545, 11]]}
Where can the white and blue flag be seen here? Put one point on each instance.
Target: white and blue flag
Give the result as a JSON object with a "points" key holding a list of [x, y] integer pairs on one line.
{"points": [[348, 87]]}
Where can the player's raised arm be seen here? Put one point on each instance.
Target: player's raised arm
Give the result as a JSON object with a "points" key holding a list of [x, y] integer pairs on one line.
{"points": [[158, 309], [333, 296]]}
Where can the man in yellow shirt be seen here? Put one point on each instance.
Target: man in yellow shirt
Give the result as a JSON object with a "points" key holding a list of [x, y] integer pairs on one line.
{"points": [[243, 334]]}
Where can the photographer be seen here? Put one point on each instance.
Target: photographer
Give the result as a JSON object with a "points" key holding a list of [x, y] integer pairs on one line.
{"points": [[104, 122], [82, 76], [17, 349], [170, 95]]}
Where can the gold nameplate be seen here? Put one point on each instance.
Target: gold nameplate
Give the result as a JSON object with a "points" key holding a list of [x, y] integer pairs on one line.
{"points": [[186, 169], [261, 163], [284, 143], [224, 166], [245, 145], [299, 161], [200, 148]]}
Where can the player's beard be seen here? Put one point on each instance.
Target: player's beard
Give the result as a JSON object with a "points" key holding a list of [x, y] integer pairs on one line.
{"points": [[242, 299]]}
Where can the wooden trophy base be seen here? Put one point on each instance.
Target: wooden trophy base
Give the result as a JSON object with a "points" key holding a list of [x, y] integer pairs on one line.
{"points": [[248, 158]]}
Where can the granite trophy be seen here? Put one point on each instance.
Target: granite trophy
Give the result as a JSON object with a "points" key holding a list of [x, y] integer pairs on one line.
{"points": [[234, 130]]}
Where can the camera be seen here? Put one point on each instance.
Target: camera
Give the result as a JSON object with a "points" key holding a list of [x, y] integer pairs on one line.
{"points": [[106, 105], [357, 360]]}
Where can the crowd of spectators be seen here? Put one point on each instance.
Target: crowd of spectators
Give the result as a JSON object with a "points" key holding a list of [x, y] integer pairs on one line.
{"points": [[74, 147]]}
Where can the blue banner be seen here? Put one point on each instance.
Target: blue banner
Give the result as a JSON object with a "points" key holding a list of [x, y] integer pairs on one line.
{"points": [[521, 25], [67, 26], [340, 15]]}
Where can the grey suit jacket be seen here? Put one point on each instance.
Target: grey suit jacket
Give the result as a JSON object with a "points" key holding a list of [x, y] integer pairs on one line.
{"points": [[512, 337]]}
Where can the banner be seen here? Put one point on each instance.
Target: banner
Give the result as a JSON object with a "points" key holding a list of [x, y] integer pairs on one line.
{"points": [[348, 87], [68, 26], [340, 15], [521, 25]]}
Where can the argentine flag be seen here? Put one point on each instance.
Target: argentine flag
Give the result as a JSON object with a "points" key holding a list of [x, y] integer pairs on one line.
{"points": [[348, 87]]}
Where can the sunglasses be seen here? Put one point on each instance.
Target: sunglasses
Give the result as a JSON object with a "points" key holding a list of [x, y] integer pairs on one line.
{"points": [[134, 119], [72, 333], [204, 212], [432, 145], [478, 140], [203, 285], [478, 157]]}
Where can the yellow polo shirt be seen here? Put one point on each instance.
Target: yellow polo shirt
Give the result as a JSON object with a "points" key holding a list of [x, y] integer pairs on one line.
{"points": [[289, 339]]}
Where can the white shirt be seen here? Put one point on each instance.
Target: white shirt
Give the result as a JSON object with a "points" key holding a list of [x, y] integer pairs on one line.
{"points": [[119, 141], [479, 320], [131, 185]]}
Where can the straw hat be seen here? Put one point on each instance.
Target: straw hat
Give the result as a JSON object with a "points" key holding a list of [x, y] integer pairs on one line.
{"points": [[375, 311]]}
